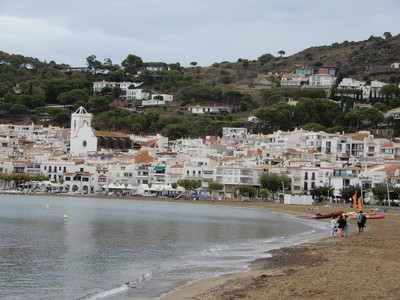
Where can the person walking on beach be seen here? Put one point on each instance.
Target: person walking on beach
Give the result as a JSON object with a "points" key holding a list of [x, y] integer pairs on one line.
{"points": [[347, 227], [341, 225], [361, 220], [333, 226]]}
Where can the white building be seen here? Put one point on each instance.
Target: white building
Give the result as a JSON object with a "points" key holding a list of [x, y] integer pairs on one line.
{"points": [[293, 80], [321, 80], [137, 94], [99, 85], [82, 139], [208, 109], [231, 131]]}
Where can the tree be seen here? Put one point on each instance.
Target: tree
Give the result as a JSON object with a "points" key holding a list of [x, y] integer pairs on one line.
{"points": [[319, 191], [243, 190], [62, 118], [214, 186], [116, 92], [189, 185], [193, 63], [101, 103], [264, 194], [387, 35], [394, 102], [390, 91], [265, 58], [132, 63], [273, 182], [381, 191], [348, 191], [281, 52], [313, 127], [175, 131], [93, 64], [19, 109]]}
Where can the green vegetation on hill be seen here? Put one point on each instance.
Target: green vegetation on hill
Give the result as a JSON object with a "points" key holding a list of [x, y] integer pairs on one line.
{"points": [[31, 90]]}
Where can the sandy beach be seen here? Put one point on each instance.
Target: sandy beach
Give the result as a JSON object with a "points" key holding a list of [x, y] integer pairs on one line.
{"points": [[361, 266]]}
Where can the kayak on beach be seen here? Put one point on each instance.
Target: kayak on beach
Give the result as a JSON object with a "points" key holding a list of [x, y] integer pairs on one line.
{"points": [[354, 215], [328, 215]]}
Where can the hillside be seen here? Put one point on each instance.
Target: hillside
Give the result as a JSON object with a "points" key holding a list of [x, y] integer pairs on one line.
{"points": [[354, 58], [28, 86]]}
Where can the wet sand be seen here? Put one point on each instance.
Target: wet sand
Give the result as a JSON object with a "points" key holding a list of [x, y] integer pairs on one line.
{"points": [[361, 266]]}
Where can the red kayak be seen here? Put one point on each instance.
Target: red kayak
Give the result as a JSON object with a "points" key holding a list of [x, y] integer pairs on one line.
{"points": [[373, 216], [328, 215]]}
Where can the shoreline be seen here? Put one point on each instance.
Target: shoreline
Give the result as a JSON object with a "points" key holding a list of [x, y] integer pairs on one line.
{"points": [[313, 269]]}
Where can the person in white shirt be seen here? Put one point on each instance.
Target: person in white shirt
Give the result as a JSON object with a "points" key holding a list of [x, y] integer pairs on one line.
{"points": [[333, 226]]}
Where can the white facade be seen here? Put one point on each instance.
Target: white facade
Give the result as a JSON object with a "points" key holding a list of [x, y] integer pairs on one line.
{"points": [[82, 139], [321, 80], [230, 131], [208, 109], [99, 85], [291, 79], [137, 94], [395, 65]]}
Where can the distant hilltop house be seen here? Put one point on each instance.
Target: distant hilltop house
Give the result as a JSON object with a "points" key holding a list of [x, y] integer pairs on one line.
{"points": [[292, 80], [99, 85], [395, 113], [366, 91], [358, 106], [377, 69], [137, 94], [315, 70], [321, 80], [200, 109], [158, 100], [310, 77], [74, 69]]}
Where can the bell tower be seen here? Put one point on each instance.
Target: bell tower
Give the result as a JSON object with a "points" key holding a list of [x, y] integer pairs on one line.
{"points": [[82, 138]]}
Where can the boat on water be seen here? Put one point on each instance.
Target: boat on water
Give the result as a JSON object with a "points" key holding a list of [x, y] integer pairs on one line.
{"points": [[328, 215]]}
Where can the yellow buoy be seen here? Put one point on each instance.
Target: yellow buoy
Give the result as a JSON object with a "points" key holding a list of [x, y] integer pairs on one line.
{"points": [[65, 217], [47, 206]]}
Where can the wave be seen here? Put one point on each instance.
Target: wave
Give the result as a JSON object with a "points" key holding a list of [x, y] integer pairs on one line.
{"points": [[118, 289]]}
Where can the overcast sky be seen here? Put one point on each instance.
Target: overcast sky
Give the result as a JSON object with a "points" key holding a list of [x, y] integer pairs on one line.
{"points": [[204, 31]]}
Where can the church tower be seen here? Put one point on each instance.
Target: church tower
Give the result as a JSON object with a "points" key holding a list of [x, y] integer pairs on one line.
{"points": [[82, 138]]}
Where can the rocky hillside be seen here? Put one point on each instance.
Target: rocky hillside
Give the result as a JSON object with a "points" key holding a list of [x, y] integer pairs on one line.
{"points": [[370, 58]]}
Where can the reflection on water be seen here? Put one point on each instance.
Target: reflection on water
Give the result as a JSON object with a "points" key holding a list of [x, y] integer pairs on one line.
{"points": [[106, 243]]}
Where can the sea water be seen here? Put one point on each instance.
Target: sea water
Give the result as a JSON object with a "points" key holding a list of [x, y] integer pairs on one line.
{"points": [[97, 248]]}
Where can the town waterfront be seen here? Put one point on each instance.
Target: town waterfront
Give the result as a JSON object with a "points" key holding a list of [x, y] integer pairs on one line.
{"points": [[98, 248]]}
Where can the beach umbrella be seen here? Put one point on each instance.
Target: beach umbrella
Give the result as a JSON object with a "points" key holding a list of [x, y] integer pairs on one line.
{"points": [[360, 203], [354, 200]]}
